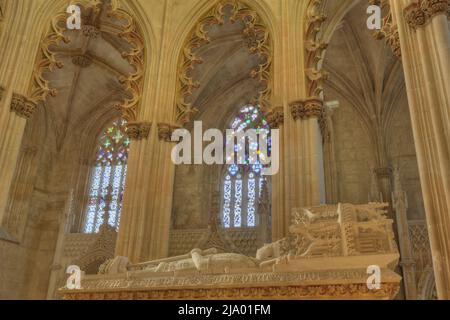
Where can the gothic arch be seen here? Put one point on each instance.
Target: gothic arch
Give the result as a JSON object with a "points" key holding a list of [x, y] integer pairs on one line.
{"points": [[136, 30], [257, 31]]}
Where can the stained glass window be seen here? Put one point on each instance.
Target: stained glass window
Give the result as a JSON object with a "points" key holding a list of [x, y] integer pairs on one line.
{"points": [[108, 178], [242, 182]]}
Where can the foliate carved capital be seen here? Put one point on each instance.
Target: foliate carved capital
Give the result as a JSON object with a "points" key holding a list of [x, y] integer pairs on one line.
{"points": [[138, 130], [165, 131], [304, 109], [275, 117], [419, 14], [22, 106]]}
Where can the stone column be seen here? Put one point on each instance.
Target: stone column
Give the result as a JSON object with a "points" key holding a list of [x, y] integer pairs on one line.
{"points": [[304, 154], [19, 97], [424, 36], [147, 205], [275, 118]]}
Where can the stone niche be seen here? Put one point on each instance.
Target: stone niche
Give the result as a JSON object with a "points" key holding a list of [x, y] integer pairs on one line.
{"points": [[328, 254]]}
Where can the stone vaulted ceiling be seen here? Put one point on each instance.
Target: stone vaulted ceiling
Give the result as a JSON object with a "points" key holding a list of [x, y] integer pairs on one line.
{"points": [[364, 72], [88, 83], [224, 74]]}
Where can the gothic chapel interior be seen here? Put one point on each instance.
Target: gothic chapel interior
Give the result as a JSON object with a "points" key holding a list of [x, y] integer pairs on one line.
{"points": [[358, 117]]}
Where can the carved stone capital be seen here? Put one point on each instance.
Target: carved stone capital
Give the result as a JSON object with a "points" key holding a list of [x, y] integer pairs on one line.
{"points": [[138, 130], [22, 106], [275, 117], [304, 109], [419, 14], [165, 131]]}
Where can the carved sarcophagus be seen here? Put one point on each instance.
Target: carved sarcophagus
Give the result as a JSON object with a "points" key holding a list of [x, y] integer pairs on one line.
{"points": [[343, 251]]}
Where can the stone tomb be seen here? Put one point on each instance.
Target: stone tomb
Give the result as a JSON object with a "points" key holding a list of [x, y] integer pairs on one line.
{"points": [[328, 254]]}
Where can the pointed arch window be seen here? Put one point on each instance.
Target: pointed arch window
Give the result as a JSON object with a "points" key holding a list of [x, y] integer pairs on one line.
{"points": [[107, 182], [242, 183]]}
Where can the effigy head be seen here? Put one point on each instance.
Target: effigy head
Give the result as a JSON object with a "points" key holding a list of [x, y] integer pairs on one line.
{"points": [[270, 251]]}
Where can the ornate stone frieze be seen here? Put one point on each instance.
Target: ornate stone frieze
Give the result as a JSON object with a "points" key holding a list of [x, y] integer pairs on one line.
{"points": [[82, 60], [304, 109], [22, 106], [389, 30], [275, 117], [420, 13], [165, 131], [257, 38], [314, 49], [335, 291], [138, 130]]}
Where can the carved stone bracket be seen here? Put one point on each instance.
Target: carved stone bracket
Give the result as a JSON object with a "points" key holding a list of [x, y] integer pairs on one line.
{"points": [[22, 106], [389, 30], [303, 109], [165, 131], [138, 130], [275, 117], [419, 14]]}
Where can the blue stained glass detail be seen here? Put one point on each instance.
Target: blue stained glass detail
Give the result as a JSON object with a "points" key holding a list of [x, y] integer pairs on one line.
{"points": [[243, 180], [108, 178]]}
